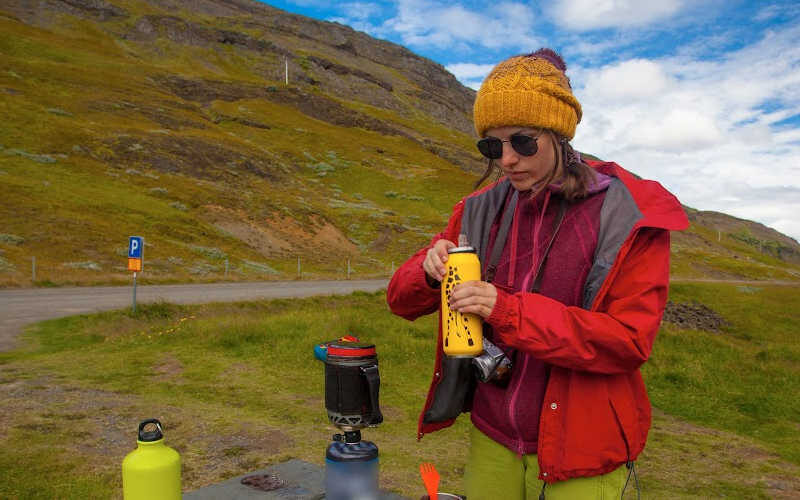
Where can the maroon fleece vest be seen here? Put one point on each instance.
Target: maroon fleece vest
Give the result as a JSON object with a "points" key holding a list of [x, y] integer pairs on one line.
{"points": [[510, 414]]}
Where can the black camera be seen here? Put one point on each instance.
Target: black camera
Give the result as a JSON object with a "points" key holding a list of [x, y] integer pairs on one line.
{"points": [[493, 365]]}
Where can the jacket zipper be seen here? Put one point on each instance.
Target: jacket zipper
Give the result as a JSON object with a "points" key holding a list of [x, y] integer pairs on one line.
{"points": [[512, 409], [536, 267]]}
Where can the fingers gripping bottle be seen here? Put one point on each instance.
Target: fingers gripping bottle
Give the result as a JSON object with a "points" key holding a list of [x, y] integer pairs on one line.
{"points": [[153, 470], [462, 334]]}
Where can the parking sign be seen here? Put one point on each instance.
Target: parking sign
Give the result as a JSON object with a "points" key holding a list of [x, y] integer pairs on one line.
{"points": [[135, 247]]}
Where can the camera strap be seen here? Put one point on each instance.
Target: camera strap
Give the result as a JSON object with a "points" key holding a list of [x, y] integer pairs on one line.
{"points": [[562, 210], [502, 236]]}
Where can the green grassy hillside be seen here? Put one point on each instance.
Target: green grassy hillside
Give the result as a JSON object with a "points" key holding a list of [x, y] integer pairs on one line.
{"points": [[94, 152], [133, 118]]}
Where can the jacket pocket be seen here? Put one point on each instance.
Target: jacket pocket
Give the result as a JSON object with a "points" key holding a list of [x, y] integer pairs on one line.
{"points": [[453, 393]]}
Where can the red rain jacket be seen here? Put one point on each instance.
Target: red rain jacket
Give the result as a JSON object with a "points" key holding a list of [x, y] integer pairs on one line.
{"points": [[596, 414]]}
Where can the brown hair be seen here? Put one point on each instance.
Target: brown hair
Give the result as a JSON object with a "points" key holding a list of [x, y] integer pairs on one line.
{"points": [[576, 176]]}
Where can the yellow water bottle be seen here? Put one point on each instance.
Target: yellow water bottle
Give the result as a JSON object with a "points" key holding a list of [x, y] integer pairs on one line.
{"points": [[462, 333], [153, 470]]}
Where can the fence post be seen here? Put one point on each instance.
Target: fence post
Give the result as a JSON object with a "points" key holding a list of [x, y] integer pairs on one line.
{"points": [[33, 269], [348, 268], [226, 268], [299, 272]]}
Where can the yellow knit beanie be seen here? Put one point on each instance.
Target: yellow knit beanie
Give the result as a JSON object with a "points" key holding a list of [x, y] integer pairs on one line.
{"points": [[529, 90]]}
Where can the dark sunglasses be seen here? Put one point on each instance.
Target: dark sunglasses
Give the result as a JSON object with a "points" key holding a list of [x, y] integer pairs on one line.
{"points": [[492, 147]]}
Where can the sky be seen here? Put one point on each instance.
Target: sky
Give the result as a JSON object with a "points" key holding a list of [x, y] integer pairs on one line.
{"points": [[700, 95]]}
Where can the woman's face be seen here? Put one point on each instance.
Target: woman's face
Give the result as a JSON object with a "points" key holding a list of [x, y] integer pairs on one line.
{"points": [[524, 171]]}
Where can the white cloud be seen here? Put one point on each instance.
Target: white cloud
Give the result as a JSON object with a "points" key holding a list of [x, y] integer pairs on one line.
{"points": [[361, 16], [770, 12], [425, 23], [708, 130], [585, 15], [469, 70], [470, 74], [360, 10], [677, 131], [633, 79]]}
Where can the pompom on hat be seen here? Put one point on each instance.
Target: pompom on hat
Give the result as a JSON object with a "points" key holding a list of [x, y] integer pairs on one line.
{"points": [[529, 90]]}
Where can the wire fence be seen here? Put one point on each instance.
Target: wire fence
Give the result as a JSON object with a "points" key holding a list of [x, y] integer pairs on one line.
{"points": [[46, 271]]}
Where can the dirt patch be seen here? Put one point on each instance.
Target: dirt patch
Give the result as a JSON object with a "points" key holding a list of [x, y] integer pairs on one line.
{"points": [[108, 422], [315, 239], [169, 368], [694, 315], [262, 238], [328, 236], [281, 236]]}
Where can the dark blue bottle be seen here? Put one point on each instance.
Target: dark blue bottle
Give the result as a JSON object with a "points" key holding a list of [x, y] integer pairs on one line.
{"points": [[351, 468]]}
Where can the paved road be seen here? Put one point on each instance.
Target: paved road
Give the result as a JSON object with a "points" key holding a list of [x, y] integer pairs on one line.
{"points": [[19, 307]]}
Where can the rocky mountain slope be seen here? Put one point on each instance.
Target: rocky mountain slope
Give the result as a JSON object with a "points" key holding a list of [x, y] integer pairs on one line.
{"points": [[174, 120]]}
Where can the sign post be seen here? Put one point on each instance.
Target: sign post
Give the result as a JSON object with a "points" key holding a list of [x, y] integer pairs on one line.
{"points": [[135, 257]]}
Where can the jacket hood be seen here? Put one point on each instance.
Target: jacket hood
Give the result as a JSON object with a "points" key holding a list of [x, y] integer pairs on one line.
{"points": [[660, 208]]}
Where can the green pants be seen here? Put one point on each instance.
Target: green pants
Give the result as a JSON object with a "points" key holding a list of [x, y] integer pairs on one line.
{"points": [[494, 472]]}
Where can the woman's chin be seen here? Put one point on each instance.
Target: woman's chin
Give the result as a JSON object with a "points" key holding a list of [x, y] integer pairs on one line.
{"points": [[522, 184]]}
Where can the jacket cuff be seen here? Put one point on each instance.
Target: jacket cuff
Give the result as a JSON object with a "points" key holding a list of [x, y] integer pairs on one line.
{"points": [[423, 284], [505, 316]]}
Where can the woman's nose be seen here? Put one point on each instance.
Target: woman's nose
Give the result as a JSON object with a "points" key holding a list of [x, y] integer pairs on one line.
{"points": [[509, 155]]}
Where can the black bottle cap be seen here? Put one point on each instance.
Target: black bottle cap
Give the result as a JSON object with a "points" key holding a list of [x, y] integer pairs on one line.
{"points": [[150, 430]]}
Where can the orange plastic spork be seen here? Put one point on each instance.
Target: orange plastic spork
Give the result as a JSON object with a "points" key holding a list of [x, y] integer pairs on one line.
{"points": [[431, 479]]}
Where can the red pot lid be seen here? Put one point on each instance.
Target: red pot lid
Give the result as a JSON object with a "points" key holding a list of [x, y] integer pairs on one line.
{"points": [[351, 349]]}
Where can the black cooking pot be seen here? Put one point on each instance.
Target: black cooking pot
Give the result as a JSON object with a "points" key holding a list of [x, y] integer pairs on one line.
{"points": [[352, 383]]}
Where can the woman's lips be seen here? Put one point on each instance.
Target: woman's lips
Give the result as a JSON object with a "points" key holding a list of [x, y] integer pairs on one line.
{"points": [[517, 175]]}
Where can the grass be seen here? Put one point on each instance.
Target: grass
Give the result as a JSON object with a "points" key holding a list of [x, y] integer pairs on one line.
{"points": [[743, 379], [238, 389]]}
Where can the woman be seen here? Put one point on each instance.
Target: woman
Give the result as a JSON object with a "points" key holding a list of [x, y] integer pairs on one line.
{"points": [[575, 259]]}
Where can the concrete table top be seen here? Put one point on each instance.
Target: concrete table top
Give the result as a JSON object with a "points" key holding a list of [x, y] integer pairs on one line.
{"points": [[304, 481]]}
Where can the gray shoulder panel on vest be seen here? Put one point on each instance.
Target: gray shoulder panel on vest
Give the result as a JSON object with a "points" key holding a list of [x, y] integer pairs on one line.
{"points": [[617, 217], [479, 213]]}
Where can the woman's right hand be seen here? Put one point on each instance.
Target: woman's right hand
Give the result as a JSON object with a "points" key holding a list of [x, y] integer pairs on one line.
{"points": [[434, 263]]}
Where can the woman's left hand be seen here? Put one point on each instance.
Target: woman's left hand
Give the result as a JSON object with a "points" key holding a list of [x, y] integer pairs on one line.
{"points": [[477, 297]]}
